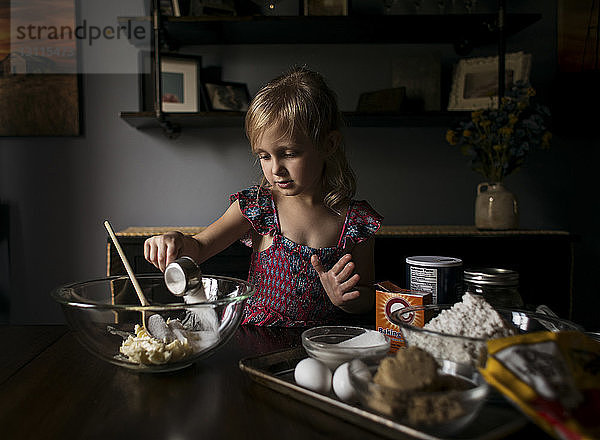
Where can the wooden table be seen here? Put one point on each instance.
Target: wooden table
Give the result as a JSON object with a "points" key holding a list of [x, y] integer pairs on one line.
{"points": [[51, 388]]}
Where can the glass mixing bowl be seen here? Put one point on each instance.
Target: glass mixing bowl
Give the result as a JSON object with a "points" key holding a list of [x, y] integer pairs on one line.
{"points": [[103, 314], [442, 412], [464, 349]]}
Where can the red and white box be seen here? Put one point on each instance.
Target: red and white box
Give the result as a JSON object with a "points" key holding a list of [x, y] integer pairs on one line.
{"points": [[389, 298]]}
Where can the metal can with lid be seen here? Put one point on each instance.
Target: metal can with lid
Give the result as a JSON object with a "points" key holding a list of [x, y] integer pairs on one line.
{"points": [[499, 287], [440, 276]]}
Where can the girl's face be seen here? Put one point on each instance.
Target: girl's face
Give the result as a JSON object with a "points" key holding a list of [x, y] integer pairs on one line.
{"points": [[292, 166]]}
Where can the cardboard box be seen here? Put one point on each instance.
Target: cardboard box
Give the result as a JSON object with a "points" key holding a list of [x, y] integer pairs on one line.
{"points": [[388, 298]]}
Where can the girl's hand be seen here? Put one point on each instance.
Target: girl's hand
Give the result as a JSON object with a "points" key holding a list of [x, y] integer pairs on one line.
{"points": [[161, 250], [339, 281]]}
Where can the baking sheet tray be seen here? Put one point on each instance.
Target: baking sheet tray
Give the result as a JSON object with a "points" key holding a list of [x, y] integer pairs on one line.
{"points": [[497, 418]]}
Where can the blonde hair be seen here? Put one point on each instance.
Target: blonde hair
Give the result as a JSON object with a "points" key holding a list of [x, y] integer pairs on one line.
{"points": [[301, 101]]}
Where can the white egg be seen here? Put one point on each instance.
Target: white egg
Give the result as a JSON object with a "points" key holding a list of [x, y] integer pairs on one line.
{"points": [[341, 384], [342, 387], [313, 374]]}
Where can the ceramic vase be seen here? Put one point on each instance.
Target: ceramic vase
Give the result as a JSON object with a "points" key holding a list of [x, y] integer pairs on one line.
{"points": [[496, 207]]}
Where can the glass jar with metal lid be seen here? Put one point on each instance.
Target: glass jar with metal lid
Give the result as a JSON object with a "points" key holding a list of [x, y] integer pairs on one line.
{"points": [[499, 287]]}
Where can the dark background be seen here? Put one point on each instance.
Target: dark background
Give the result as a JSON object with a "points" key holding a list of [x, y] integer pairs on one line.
{"points": [[56, 192]]}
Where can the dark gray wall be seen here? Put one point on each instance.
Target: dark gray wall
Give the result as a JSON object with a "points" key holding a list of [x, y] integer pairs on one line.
{"points": [[60, 190]]}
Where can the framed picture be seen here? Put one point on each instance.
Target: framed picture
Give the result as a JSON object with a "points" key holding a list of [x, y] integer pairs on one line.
{"points": [[475, 83], [39, 81], [228, 96], [180, 80], [325, 7]]}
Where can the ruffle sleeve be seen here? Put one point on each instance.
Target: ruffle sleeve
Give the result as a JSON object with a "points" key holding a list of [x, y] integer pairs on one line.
{"points": [[363, 222], [256, 204]]}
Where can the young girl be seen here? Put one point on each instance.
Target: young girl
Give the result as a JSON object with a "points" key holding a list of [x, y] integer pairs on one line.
{"points": [[312, 260]]}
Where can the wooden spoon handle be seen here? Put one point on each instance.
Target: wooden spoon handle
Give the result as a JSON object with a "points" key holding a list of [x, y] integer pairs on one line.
{"points": [[132, 277]]}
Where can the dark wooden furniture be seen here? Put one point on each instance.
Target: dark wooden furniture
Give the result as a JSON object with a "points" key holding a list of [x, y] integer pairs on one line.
{"points": [[545, 259], [52, 388]]}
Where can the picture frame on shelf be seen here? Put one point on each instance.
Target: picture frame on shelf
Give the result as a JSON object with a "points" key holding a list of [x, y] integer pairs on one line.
{"points": [[329, 7], [475, 80], [166, 7], [180, 83], [227, 96]]}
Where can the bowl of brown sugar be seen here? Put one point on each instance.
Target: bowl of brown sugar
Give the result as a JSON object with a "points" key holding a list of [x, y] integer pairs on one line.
{"points": [[412, 388]]}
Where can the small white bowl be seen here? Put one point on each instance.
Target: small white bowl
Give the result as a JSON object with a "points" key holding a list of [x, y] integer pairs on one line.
{"points": [[324, 343]]}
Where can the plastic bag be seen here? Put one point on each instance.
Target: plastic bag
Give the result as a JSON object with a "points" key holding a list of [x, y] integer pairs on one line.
{"points": [[553, 377]]}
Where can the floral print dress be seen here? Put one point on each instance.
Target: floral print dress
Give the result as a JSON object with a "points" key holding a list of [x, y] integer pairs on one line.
{"points": [[289, 292]]}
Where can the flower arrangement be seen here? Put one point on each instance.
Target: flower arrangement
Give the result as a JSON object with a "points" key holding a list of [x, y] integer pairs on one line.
{"points": [[498, 139]]}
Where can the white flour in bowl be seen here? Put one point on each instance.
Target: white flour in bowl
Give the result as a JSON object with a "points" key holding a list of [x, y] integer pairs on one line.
{"points": [[474, 318]]}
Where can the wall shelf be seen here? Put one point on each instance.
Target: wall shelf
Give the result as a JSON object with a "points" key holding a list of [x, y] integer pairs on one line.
{"points": [[393, 29], [464, 31], [144, 120]]}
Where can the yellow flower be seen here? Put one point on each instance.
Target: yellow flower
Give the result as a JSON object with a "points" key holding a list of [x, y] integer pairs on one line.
{"points": [[451, 137], [492, 137]]}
